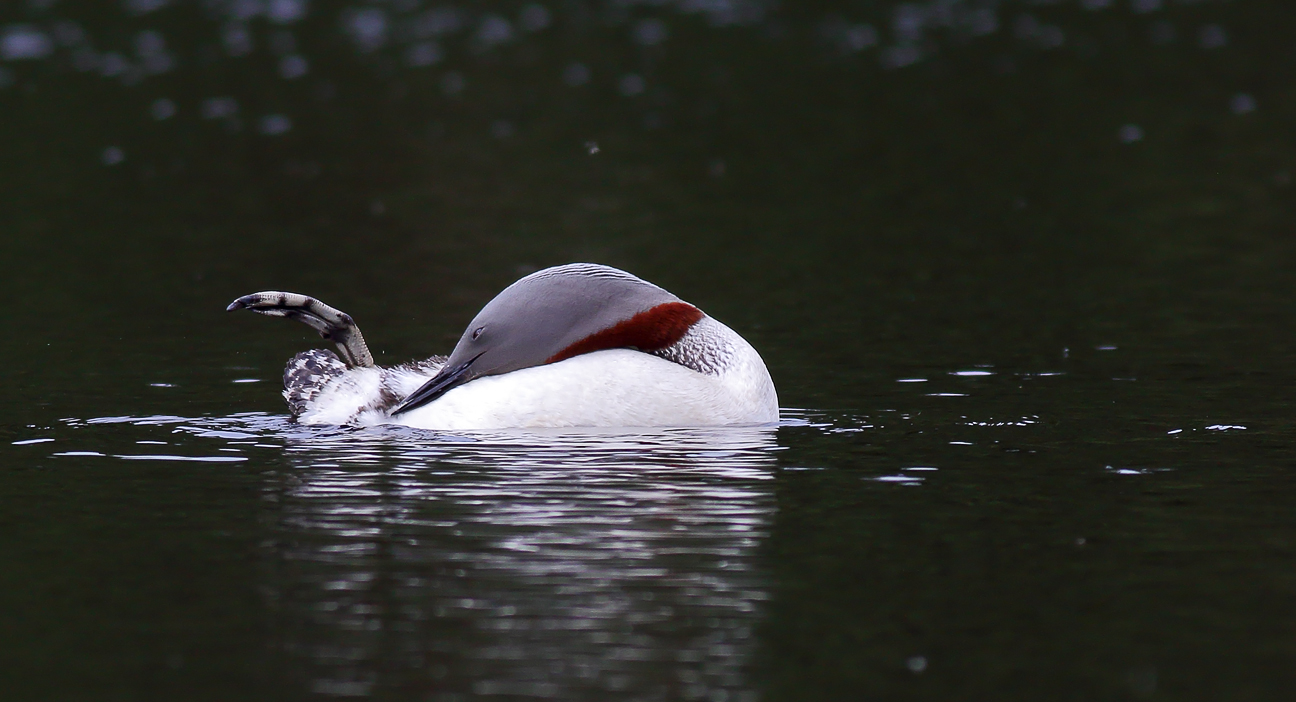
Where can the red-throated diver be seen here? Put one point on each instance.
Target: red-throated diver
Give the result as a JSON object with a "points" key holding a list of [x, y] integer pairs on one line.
{"points": [[580, 345]]}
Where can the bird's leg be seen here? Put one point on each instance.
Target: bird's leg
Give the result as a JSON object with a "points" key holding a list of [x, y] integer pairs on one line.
{"points": [[334, 325]]}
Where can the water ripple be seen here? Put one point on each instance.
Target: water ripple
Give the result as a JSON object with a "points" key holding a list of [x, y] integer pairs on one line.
{"points": [[562, 564]]}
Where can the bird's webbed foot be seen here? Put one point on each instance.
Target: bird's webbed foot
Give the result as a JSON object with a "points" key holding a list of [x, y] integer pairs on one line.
{"points": [[332, 324]]}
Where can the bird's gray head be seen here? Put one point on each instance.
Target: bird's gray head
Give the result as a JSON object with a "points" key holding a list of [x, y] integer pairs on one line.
{"points": [[555, 314]]}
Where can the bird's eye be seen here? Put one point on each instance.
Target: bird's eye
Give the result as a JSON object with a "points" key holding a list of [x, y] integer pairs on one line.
{"points": [[478, 332]]}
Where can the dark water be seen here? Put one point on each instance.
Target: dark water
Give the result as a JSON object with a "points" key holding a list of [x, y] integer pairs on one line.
{"points": [[1022, 272]]}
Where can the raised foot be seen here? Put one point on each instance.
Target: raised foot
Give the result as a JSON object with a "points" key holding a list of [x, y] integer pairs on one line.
{"points": [[332, 324]]}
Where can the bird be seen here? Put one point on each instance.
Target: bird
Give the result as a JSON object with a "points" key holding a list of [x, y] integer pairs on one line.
{"points": [[576, 345]]}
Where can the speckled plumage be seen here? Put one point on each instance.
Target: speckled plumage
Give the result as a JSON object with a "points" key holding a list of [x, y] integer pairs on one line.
{"points": [[307, 374], [311, 375]]}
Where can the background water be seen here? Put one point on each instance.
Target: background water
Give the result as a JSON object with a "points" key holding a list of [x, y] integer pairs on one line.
{"points": [[1020, 269]]}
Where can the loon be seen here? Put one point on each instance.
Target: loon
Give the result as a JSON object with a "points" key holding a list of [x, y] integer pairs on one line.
{"points": [[577, 345]]}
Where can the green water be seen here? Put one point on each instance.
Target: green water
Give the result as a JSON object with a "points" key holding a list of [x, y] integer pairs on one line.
{"points": [[1026, 299]]}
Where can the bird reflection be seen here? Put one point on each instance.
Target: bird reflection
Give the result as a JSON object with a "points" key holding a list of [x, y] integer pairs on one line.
{"points": [[594, 565]]}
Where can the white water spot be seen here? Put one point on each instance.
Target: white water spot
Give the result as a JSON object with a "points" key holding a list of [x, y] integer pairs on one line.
{"points": [[534, 17], [1224, 427], [28, 442], [911, 380], [73, 454], [859, 37], [293, 66], [1130, 133], [576, 75], [982, 21], [1021, 422], [971, 373], [960, 443], [1134, 471], [150, 47], [1050, 36], [649, 32], [162, 108], [218, 108], [946, 394], [247, 380], [112, 156], [153, 420], [848, 38], [916, 664], [143, 7], [907, 22], [901, 479], [1105, 347], [493, 31], [591, 147], [237, 39], [900, 56], [195, 459], [424, 53], [367, 27], [1242, 104], [272, 125], [721, 13], [631, 84], [1174, 431], [20, 42], [243, 10], [920, 468], [285, 11], [113, 64]]}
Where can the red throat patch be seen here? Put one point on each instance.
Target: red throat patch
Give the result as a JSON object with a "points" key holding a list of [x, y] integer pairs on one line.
{"points": [[651, 330]]}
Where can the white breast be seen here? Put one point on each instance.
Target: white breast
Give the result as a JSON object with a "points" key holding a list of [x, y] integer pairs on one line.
{"points": [[614, 388]]}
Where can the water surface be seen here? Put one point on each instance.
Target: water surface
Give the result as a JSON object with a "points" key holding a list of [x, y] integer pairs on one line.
{"points": [[1020, 270]]}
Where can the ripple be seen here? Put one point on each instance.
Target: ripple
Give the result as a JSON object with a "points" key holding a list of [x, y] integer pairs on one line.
{"points": [[572, 563], [167, 457]]}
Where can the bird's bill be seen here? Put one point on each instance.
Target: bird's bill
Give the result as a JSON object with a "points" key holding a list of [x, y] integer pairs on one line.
{"points": [[442, 382]]}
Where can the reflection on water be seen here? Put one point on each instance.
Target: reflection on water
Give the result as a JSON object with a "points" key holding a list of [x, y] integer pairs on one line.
{"points": [[595, 565]]}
